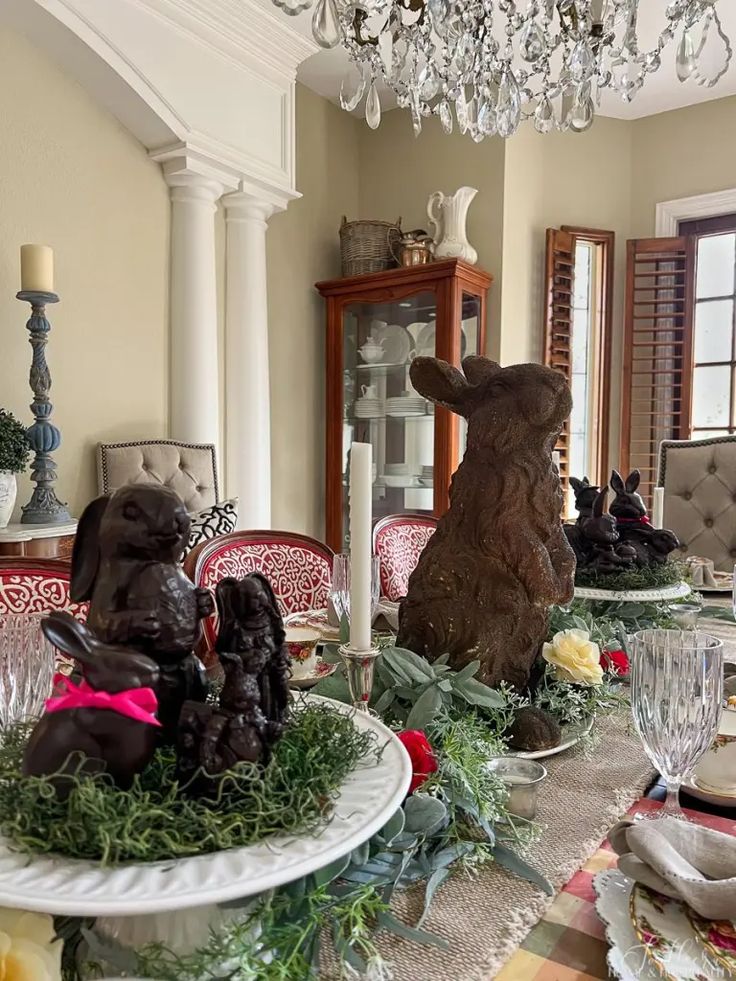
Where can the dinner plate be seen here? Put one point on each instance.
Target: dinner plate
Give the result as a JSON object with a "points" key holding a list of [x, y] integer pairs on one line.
{"points": [[626, 958], [73, 887], [396, 341], [571, 736], [719, 939], [670, 943]]}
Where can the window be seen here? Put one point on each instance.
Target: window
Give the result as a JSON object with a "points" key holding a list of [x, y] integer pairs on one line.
{"points": [[713, 410], [579, 274]]}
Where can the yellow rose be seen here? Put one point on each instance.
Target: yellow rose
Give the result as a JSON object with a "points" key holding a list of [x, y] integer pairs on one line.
{"points": [[575, 657], [28, 951]]}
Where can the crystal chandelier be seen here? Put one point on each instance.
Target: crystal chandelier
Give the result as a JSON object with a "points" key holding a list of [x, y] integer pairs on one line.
{"points": [[485, 65]]}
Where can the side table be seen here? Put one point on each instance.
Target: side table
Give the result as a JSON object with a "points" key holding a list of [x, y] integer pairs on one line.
{"points": [[38, 541]]}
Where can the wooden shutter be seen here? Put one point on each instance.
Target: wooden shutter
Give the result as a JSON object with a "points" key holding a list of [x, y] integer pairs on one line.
{"points": [[658, 351], [559, 272]]}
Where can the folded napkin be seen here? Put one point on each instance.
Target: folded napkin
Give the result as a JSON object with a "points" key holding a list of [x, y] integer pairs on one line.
{"points": [[701, 571], [681, 860], [386, 616]]}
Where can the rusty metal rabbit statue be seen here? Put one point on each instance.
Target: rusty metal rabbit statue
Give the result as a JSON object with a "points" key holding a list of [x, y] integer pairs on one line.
{"points": [[498, 560]]}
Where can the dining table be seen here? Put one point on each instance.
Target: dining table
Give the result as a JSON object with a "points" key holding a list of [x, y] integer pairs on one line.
{"points": [[492, 924]]}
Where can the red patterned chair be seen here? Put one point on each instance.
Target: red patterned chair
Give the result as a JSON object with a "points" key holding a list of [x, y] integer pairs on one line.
{"points": [[29, 585], [398, 541], [298, 568]]}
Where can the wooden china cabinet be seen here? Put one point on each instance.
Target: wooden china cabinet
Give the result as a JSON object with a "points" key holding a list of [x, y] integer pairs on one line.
{"points": [[376, 325]]}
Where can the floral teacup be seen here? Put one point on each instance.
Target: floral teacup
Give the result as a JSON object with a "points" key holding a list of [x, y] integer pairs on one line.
{"points": [[716, 771]]}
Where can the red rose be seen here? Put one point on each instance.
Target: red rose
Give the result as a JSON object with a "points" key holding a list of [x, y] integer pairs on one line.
{"points": [[616, 662], [423, 760]]}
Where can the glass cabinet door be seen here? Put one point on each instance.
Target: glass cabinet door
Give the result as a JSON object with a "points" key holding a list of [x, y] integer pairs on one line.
{"points": [[470, 334], [381, 407]]}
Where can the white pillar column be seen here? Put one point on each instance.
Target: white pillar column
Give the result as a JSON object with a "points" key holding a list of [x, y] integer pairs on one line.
{"points": [[194, 382], [247, 389]]}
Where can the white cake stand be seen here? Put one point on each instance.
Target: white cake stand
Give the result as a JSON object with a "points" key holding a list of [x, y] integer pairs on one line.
{"points": [[175, 902], [634, 595]]}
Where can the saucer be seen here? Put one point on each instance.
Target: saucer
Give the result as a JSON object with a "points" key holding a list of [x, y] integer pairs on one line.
{"points": [[321, 670]]}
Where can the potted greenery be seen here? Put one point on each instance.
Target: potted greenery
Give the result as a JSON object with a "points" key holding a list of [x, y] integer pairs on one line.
{"points": [[14, 452]]}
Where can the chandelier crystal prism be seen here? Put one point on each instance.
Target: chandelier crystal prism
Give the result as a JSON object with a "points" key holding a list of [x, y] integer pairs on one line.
{"points": [[486, 65]]}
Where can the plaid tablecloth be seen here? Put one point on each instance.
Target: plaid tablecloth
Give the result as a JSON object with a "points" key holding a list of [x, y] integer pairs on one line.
{"points": [[568, 943]]}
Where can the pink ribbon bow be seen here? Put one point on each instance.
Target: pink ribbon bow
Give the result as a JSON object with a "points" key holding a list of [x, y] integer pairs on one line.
{"points": [[644, 520], [136, 703]]}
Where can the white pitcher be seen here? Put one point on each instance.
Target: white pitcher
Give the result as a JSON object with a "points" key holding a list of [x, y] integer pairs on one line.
{"points": [[448, 214]]}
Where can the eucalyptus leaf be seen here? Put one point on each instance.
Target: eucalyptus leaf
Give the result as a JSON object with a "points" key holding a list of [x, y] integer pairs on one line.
{"points": [[511, 861], [332, 871], [360, 855], [409, 664], [433, 883], [384, 701], [477, 693], [424, 814], [442, 659], [393, 827], [445, 685], [121, 958], [446, 856], [335, 686], [425, 709], [468, 671], [390, 923]]}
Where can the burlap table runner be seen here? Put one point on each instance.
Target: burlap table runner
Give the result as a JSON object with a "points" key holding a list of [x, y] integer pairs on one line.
{"points": [[486, 917]]}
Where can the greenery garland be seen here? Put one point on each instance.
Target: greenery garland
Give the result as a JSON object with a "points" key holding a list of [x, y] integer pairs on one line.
{"points": [[154, 820]]}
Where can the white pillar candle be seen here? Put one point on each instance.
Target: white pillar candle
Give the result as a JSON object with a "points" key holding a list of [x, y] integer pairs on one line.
{"points": [[658, 508], [361, 462], [37, 268]]}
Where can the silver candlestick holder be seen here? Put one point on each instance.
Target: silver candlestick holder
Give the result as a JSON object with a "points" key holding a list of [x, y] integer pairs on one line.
{"points": [[359, 667], [44, 508]]}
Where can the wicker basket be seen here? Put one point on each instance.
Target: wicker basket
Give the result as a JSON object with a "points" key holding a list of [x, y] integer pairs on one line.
{"points": [[368, 246]]}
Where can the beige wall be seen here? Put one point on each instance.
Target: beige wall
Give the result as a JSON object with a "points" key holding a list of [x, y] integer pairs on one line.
{"points": [[303, 248], [681, 153], [72, 177], [399, 171]]}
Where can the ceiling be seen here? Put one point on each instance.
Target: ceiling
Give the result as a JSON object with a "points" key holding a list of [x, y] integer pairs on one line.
{"points": [[323, 71]]}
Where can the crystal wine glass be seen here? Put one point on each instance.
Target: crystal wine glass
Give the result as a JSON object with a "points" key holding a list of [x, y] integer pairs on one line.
{"points": [[676, 700], [340, 591], [26, 667]]}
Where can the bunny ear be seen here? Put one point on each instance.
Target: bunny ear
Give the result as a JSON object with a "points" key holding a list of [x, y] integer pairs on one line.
{"points": [[441, 383], [86, 551], [478, 369], [226, 592], [632, 481], [266, 583], [69, 635], [617, 482], [599, 504], [577, 485]]}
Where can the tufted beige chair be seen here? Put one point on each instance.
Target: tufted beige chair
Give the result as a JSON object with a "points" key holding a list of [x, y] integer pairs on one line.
{"points": [[188, 468], [699, 480]]}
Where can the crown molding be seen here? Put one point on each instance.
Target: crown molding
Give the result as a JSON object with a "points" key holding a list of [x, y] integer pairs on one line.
{"points": [[241, 29]]}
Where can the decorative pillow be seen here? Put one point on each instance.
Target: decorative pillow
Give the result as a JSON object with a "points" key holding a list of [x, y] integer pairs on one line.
{"points": [[217, 520]]}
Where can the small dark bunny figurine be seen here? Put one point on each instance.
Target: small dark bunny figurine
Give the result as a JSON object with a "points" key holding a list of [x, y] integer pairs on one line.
{"points": [[498, 559], [86, 729], [627, 504], [126, 563], [252, 707], [597, 544], [585, 495]]}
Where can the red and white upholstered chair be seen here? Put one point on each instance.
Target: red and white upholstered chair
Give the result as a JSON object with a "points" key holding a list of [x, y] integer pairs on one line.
{"points": [[398, 541], [299, 568], [29, 585]]}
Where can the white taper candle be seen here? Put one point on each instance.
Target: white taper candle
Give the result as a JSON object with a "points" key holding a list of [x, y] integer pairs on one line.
{"points": [[658, 507], [361, 487]]}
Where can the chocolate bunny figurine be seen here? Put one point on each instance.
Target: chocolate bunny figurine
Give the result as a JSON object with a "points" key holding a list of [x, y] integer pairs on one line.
{"points": [[585, 495], [105, 724], [651, 545], [253, 702], [498, 559], [126, 563], [596, 540]]}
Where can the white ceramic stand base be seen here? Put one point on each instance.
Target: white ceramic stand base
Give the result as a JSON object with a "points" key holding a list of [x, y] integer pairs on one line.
{"points": [[181, 930]]}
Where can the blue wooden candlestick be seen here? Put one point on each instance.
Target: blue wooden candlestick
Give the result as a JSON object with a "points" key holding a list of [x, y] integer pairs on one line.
{"points": [[44, 508]]}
